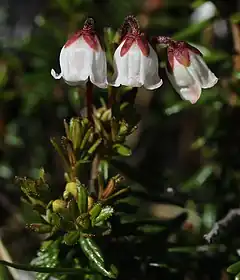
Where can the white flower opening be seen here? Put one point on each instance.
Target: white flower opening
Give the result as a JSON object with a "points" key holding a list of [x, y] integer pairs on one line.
{"points": [[134, 69], [79, 62], [189, 81]]}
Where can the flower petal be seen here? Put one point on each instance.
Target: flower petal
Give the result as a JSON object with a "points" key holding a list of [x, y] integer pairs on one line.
{"points": [[192, 93], [98, 75], [200, 71], [76, 62], [127, 67], [184, 83], [55, 75], [149, 70], [134, 69]]}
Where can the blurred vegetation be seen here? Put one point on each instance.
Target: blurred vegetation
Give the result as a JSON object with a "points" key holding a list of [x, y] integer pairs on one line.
{"points": [[185, 157]]}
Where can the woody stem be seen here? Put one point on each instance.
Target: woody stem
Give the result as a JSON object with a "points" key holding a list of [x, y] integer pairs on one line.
{"points": [[111, 97], [89, 101]]}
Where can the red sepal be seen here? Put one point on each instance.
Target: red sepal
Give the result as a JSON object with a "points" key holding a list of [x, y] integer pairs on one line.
{"points": [[143, 45], [170, 54], [73, 38], [91, 40], [127, 45], [181, 53]]}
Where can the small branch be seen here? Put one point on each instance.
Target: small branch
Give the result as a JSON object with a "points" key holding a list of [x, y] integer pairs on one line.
{"points": [[111, 97], [39, 269], [218, 226], [89, 101], [94, 173]]}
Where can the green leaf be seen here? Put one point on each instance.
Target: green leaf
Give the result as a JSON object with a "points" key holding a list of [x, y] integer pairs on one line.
{"points": [[94, 212], [82, 198], [237, 277], [105, 214], [94, 147], [71, 238], [234, 268], [75, 132], [60, 153], [93, 253], [47, 257], [122, 150]]}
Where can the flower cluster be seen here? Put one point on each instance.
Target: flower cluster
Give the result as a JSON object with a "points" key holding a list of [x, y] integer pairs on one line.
{"points": [[83, 59]]}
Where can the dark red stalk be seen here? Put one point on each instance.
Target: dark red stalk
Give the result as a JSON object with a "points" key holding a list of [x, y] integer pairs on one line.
{"points": [[89, 101]]}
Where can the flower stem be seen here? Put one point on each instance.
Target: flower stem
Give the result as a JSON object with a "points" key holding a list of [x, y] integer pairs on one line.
{"points": [[111, 96], [89, 100]]}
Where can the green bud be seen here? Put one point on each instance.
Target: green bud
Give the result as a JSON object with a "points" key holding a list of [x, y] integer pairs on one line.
{"points": [[123, 128], [82, 198], [59, 206], [83, 221], [71, 188], [107, 115], [94, 212], [90, 202], [72, 208], [75, 131], [71, 238], [65, 195], [84, 122], [93, 148], [86, 138], [97, 124], [115, 128], [100, 111], [122, 150], [66, 126], [56, 220], [40, 228]]}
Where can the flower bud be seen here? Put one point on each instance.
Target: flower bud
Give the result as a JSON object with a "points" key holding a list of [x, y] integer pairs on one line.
{"points": [[83, 58], [71, 188], [135, 61], [59, 206], [40, 228], [187, 70], [75, 132]]}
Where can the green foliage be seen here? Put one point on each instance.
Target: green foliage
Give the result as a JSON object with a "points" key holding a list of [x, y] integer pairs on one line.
{"points": [[47, 257]]}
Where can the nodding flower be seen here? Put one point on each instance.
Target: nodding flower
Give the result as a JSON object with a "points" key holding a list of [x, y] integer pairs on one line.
{"points": [[82, 58], [135, 61], [186, 69]]}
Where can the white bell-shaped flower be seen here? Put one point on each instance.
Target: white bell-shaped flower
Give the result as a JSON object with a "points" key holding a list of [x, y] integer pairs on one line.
{"points": [[188, 72], [136, 69], [82, 58], [135, 61]]}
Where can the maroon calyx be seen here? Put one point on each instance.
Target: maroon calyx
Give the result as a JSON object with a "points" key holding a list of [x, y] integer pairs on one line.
{"points": [[180, 51], [162, 40], [130, 34], [88, 34], [141, 41]]}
